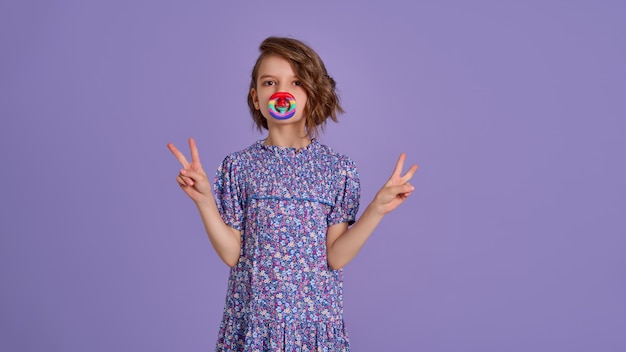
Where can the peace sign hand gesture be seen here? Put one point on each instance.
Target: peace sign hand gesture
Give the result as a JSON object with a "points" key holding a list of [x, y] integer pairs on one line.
{"points": [[192, 178], [396, 189]]}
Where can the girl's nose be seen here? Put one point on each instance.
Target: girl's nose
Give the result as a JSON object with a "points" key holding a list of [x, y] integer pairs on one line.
{"points": [[283, 87]]}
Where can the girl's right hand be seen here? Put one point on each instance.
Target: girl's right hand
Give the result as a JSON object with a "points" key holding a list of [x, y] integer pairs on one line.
{"points": [[192, 178]]}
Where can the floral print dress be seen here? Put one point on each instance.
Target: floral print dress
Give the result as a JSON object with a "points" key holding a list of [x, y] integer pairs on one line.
{"points": [[282, 295]]}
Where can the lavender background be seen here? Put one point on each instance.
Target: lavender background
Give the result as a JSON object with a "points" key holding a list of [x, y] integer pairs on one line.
{"points": [[515, 111]]}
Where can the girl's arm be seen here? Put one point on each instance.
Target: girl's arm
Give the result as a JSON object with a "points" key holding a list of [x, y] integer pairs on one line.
{"points": [[343, 243], [225, 239], [193, 181]]}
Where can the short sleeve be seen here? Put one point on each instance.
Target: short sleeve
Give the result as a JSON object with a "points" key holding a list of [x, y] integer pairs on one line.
{"points": [[346, 204], [227, 191]]}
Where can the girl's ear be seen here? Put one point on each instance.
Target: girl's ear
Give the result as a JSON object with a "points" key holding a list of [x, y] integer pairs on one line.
{"points": [[255, 99]]}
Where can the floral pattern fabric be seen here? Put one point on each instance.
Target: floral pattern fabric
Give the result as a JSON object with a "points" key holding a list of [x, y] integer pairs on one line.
{"points": [[282, 295]]}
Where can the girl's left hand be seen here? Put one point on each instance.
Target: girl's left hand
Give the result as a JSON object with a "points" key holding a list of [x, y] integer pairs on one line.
{"points": [[396, 189]]}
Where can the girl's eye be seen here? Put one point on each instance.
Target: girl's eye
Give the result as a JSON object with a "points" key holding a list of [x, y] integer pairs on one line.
{"points": [[269, 83], [297, 83]]}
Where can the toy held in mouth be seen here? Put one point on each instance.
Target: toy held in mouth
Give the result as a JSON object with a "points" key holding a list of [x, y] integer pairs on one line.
{"points": [[282, 105]]}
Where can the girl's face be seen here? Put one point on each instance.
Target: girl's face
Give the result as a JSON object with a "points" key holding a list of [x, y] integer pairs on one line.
{"points": [[275, 74]]}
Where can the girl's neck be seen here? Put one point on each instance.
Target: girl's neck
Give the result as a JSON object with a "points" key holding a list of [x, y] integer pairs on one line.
{"points": [[287, 138]]}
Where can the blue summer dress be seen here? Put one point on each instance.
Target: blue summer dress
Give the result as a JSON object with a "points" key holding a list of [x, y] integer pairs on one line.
{"points": [[282, 295]]}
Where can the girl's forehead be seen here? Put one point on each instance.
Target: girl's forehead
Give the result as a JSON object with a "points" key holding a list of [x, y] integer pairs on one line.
{"points": [[275, 65]]}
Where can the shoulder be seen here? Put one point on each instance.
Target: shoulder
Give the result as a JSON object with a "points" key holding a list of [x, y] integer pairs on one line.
{"points": [[329, 155], [340, 162], [241, 157]]}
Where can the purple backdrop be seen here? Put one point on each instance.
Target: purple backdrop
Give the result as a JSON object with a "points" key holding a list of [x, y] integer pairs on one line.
{"points": [[513, 241]]}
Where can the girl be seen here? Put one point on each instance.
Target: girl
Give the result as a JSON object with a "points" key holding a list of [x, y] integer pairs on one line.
{"points": [[282, 210]]}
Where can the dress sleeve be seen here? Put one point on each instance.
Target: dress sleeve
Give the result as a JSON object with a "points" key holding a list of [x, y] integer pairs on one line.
{"points": [[348, 194], [227, 190]]}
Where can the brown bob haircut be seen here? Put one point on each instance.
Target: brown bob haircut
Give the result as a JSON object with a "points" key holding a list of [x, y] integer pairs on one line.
{"points": [[322, 99]]}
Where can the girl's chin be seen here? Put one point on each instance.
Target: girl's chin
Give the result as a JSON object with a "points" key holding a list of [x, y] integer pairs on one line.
{"points": [[291, 120]]}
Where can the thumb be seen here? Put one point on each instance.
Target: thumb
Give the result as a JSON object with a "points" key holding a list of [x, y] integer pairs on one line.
{"points": [[194, 175], [405, 188]]}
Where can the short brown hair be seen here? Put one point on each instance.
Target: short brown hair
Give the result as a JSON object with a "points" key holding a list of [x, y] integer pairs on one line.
{"points": [[322, 99]]}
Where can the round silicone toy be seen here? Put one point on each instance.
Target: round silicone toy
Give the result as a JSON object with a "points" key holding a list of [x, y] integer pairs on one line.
{"points": [[282, 105]]}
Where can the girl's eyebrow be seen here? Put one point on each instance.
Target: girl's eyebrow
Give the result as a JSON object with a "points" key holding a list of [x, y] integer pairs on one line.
{"points": [[272, 76]]}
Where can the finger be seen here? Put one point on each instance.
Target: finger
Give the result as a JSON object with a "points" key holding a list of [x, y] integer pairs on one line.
{"points": [[180, 181], [195, 156], [194, 175], [188, 181], [406, 195], [409, 174], [184, 175], [179, 156], [390, 194], [397, 171], [401, 189]]}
